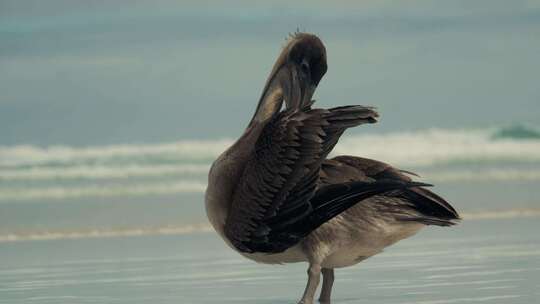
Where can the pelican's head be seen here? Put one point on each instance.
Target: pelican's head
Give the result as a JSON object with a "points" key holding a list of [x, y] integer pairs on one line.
{"points": [[294, 77]]}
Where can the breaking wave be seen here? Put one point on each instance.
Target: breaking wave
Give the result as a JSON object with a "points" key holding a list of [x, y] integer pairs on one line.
{"points": [[61, 172], [517, 131], [26, 155], [419, 148], [431, 147]]}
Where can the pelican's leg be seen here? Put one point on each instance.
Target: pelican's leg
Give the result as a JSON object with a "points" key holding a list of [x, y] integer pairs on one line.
{"points": [[314, 274], [328, 281]]}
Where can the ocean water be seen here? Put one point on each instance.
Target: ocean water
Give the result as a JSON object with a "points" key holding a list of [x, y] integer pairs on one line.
{"points": [[126, 224], [480, 261], [68, 192]]}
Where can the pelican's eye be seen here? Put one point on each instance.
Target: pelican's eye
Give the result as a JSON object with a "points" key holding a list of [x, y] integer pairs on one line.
{"points": [[304, 65]]}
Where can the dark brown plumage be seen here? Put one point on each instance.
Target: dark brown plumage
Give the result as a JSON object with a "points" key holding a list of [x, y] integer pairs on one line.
{"points": [[415, 204], [276, 204], [275, 197]]}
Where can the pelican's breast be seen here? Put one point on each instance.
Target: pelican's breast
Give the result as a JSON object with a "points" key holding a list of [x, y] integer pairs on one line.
{"points": [[291, 255]]}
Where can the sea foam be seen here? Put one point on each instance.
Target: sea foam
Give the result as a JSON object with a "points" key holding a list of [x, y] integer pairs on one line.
{"points": [[418, 148], [62, 172]]}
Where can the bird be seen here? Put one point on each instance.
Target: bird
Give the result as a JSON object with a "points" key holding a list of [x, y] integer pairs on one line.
{"points": [[276, 197]]}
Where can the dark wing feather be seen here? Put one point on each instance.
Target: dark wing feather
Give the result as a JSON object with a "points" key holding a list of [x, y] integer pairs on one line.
{"points": [[273, 197], [427, 207], [345, 119], [326, 203]]}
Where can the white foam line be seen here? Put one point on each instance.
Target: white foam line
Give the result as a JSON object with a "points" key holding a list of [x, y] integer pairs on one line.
{"points": [[484, 175], [497, 287], [33, 155], [464, 300], [101, 171], [419, 293], [439, 284], [476, 273], [186, 186], [429, 147], [419, 148], [447, 268], [137, 170], [501, 214], [98, 233], [22, 194]]}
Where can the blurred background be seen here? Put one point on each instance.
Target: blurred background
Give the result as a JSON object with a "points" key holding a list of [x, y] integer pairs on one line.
{"points": [[111, 112]]}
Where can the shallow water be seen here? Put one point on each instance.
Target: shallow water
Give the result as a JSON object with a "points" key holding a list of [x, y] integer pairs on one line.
{"points": [[491, 261]]}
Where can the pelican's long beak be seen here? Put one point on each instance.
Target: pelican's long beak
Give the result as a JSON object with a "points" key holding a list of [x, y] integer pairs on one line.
{"points": [[294, 77]]}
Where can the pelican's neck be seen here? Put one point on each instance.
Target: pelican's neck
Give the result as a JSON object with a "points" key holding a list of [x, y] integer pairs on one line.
{"points": [[226, 174], [227, 170]]}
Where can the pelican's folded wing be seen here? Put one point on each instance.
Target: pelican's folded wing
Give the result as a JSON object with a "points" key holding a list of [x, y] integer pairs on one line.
{"points": [[420, 204], [273, 196]]}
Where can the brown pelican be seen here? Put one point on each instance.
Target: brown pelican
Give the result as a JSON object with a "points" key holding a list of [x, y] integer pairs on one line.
{"points": [[274, 197]]}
